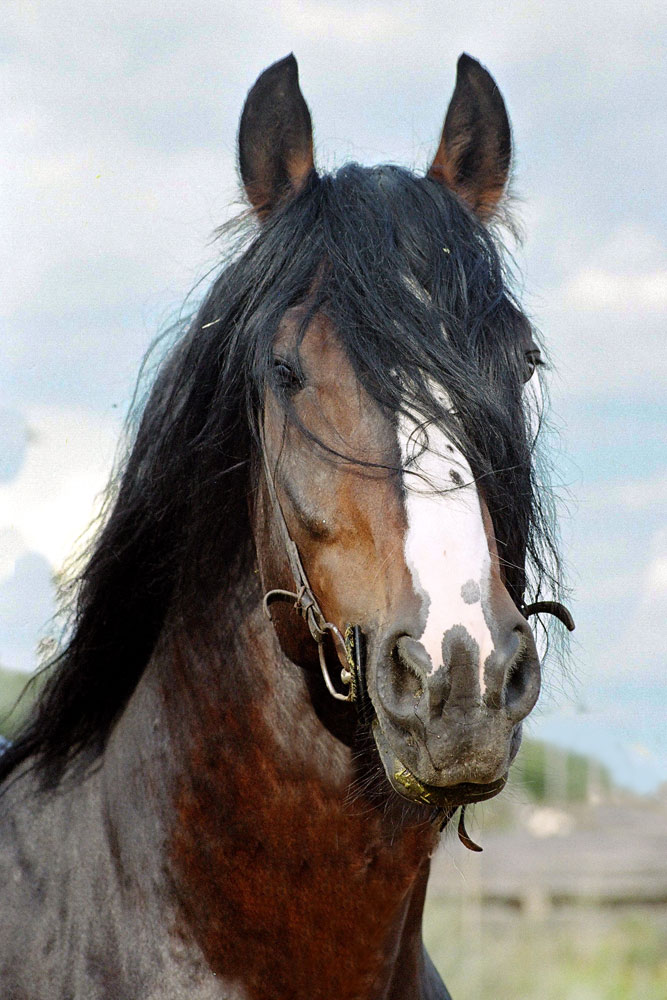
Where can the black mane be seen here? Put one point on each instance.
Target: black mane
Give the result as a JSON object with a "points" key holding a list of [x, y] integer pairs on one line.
{"points": [[394, 259]]}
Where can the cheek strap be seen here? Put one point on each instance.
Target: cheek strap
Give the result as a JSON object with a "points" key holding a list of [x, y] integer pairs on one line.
{"points": [[305, 602]]}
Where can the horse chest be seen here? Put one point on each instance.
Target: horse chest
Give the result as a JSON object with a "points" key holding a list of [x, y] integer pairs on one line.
{"points": [[292, 886]]}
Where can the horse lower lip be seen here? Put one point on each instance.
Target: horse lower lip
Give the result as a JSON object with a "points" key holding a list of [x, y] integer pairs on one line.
{"points": [[406, 784]]}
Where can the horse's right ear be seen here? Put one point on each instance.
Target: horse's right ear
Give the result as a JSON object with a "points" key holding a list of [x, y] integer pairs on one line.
{"points": [[275, 138]]}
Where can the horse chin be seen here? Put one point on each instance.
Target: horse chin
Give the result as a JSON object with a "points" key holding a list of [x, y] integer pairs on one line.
{"points": [[409, 786]]}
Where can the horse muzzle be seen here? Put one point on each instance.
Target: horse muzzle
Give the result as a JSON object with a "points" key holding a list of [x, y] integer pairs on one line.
{"points": [[448, 736], [406, 784]]}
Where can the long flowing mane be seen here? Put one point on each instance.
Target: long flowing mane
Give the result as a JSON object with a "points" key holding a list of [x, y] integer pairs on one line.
{"points": [[394, 260]]}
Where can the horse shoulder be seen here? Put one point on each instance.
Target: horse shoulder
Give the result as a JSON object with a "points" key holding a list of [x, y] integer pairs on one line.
{"points": [[71, 924]]}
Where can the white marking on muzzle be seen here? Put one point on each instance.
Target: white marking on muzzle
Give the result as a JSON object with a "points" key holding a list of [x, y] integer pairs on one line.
{"points": [[446, 547]]}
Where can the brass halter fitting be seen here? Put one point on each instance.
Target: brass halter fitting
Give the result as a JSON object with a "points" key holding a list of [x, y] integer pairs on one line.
{"points": [[304, 602]]}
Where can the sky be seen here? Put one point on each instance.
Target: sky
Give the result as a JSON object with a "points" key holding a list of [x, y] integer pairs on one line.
{"points": [[119, 127]]}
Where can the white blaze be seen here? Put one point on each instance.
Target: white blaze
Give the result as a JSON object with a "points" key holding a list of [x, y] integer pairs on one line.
{"points": [[446, 548]]}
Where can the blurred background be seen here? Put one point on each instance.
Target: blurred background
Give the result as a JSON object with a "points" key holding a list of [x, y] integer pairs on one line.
{"points": [[119, 123]]}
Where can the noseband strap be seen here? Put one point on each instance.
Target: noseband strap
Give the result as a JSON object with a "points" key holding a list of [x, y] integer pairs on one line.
{"points": [[306, 603]]}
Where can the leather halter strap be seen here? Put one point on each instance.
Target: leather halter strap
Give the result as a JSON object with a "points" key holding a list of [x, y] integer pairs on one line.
{"points": [[306, 603]]}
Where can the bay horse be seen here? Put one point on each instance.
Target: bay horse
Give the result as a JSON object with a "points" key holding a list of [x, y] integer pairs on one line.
{"points": [[299, 642]]}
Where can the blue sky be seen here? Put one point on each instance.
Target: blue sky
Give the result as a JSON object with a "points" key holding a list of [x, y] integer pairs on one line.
{"points": [[119, 124]]}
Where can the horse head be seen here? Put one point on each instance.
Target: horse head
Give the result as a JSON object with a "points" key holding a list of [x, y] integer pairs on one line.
{"points": [[392, 403]]}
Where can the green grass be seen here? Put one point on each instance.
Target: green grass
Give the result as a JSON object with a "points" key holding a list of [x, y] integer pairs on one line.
{"points": [[533, 773], [12, 711], [579, 953]]}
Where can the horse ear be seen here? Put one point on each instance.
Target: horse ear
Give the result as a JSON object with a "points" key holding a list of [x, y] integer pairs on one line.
{"points": [[473, 158], [275, 138]]}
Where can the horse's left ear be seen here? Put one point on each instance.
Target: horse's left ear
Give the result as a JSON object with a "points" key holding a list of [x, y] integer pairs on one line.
{"points": [[275, 138], [473, 158]]}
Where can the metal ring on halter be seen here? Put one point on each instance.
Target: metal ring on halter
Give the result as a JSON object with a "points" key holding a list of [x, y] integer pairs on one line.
{"points": [[304, 604], [304, 599], [346, 675]]}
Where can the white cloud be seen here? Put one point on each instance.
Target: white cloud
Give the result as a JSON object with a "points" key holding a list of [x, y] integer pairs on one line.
{"points": [[27, 604], [594, 288], [656, 575], [605, 322], [623, 270], [48, 507], [12, 546], [638, 653], [133, 224], [365, 24], [631, 495], [13, 443]]}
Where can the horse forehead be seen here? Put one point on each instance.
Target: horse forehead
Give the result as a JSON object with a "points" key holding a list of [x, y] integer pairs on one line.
{"points": [[320, 333], [326, 354], [338, 404]]}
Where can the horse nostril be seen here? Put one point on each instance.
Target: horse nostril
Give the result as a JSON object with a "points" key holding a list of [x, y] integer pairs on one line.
{"points": [[408, 667], [522, 680], [413, 656]]}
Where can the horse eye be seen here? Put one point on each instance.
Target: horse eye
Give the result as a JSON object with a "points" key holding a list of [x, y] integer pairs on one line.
{"points": [[533, 360], [285, 378]]}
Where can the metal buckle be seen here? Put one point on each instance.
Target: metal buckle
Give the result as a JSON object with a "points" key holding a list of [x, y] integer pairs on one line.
{"points": [[306, 605]]}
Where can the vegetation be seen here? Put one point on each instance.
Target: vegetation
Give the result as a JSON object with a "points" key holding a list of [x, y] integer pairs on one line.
{"points": [[544, 773], [580, 953], [13, 707]]}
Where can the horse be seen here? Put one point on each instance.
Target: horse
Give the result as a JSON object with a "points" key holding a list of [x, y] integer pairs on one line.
{"points": [[299, 642]]}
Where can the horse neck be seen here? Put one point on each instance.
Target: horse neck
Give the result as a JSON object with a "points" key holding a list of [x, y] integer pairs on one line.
{"points": [[283, 875]]}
